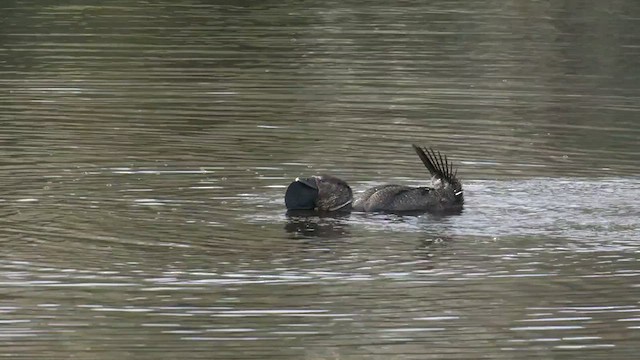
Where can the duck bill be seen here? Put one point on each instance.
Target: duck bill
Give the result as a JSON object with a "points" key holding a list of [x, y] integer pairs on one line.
{"points": [[302, 194]]}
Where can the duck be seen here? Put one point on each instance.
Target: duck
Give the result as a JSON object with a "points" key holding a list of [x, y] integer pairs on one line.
{"points": [[328, 193], [323, 193], [444, 194]]}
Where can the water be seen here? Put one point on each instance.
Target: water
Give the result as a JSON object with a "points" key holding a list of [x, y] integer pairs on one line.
{"points": [[146, 149]]}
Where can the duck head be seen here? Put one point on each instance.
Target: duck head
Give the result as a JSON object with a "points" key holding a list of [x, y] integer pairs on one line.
{"points": [[319, 192]]}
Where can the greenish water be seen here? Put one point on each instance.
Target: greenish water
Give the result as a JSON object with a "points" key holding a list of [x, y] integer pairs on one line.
{"points": [[146, 148]]}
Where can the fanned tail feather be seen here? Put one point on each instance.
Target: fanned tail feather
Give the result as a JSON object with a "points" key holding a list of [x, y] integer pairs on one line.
{"points": [[440, 167], [437, 164]]}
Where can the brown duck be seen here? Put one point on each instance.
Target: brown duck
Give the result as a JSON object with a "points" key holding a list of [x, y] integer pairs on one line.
{"points": [[328, 193]]}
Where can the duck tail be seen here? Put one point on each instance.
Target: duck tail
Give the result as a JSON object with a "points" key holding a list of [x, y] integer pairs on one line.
{"points": [[440, 167]]}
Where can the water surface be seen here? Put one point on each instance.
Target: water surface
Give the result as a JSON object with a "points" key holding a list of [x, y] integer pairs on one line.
{"points": [[146, 149]]}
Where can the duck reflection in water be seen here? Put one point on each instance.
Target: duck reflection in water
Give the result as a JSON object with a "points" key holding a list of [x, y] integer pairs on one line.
{"points": [[309, 223], [327, 194]]}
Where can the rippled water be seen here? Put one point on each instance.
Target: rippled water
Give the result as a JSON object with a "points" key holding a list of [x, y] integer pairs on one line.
{"points": [[146, 148]]}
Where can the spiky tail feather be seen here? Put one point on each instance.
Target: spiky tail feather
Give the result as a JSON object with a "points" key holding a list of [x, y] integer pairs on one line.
{"points": [[440, 167]]}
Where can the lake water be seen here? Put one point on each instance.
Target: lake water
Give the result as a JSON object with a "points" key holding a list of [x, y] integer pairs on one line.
{"points": [[146, 148]]}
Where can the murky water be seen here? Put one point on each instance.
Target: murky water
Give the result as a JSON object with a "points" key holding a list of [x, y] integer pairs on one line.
{"points": [[146, 148]]}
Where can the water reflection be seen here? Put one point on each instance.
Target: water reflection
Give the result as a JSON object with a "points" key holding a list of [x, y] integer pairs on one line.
{"points": [[308, 223]]}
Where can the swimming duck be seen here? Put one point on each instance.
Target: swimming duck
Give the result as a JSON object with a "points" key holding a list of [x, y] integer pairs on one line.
{"points": [[328, 193], [323, 193], [444, 195]]}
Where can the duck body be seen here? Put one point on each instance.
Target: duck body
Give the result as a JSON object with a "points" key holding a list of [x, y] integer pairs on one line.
{"points": [[443, 195], [395, 198], [327, 193]]}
